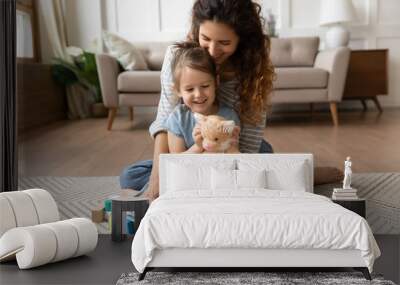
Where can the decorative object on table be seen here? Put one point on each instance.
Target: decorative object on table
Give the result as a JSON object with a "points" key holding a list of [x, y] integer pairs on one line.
{"points": [[347, 174], [32, 233], [270, 20], [346, 192], [333, 14], [80, 75], [127, 205]]}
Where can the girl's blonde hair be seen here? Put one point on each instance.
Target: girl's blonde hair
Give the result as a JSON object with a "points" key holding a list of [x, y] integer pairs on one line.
{"points": [[190, 54]]}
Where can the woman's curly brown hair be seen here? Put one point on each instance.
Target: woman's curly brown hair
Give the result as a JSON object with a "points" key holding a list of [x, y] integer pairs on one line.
{"points": [[251, 60]]}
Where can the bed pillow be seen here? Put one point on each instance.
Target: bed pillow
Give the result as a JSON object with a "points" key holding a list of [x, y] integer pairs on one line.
{"points": [[251, 178], [223, 179], [226, 179], [291, 175], [291, 178], [187, 176], [125, 52]]}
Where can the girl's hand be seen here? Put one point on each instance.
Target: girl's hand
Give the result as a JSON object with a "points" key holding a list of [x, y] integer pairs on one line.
{"points": [[235, 137], [197, 137], [195, 149], [153, 191]]}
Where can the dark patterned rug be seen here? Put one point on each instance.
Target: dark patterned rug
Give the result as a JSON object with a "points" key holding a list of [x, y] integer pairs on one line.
{"points": [[243, 278]]}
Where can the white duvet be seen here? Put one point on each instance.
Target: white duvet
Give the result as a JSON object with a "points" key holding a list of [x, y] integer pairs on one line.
{"points": [[252, 218]]}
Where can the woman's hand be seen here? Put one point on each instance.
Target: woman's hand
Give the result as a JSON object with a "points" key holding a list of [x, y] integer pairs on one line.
{"points": [[197, 137]]}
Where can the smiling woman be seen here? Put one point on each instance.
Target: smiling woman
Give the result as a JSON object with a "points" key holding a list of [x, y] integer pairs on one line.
{"points": [[232, 33], [219, 39]]}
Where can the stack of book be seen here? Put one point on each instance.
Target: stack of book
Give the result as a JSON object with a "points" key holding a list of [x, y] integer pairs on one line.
{"points": [[344, 194]]}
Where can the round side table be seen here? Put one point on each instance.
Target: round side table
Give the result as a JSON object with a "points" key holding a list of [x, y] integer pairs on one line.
{"points": [[125, 203]]}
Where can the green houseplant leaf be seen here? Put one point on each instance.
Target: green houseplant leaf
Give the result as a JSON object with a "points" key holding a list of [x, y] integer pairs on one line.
{"points": [[82, 70]]}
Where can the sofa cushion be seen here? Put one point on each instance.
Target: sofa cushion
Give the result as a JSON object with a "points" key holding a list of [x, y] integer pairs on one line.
{"points": [[125, 52], [153, 52], [139, 81], [284, 96], [300, 77], [294, 51]]}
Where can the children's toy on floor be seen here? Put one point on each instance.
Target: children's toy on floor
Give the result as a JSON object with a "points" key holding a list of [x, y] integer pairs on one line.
{"points": [[98, 214]]}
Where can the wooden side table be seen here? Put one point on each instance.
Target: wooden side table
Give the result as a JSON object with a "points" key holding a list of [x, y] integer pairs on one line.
{"points": [[121, 204], [367, 76], [356, 206]]}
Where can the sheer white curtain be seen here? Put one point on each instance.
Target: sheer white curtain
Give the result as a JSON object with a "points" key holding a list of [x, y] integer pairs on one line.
{"points": [[52, 13], [53, 16]]}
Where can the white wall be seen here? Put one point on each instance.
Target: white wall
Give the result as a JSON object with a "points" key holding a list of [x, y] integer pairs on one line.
{"points": [[84, 23], [378, 24]]}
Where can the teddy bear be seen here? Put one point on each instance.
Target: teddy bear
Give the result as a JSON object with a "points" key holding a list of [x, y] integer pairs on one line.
{"points": [[218, 135]]}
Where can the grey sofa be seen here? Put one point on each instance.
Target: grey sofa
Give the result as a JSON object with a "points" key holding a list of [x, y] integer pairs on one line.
{"points": [[304, 75]]}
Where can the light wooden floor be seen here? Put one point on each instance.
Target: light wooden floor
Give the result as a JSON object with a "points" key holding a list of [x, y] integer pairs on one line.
{"points": [[86, 148]]}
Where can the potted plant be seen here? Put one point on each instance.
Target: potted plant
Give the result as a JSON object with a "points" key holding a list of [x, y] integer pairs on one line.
{"points": [[82, 71]]}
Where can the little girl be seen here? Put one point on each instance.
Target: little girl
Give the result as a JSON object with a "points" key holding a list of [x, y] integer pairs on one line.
{"points": [[195, 80]]}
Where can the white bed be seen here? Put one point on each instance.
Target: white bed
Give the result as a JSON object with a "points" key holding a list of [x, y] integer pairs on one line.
{"points": [[247, 210]]}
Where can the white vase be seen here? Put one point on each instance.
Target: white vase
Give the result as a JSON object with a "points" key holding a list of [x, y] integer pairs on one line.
{"points": [[337, 36]]}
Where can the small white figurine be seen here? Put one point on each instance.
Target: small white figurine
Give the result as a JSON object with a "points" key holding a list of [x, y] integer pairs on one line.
{"points": [[347, 174]]}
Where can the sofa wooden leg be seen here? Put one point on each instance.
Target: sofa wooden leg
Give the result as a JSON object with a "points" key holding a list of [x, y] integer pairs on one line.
{"points": [[334, 113], [111, 115], [131, 113]]}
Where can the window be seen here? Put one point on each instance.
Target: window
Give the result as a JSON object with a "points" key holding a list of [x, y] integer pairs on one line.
{"points": [[27, 41]]}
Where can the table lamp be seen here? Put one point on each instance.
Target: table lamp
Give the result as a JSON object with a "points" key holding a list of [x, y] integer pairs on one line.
{"points": [[333, 14]]}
